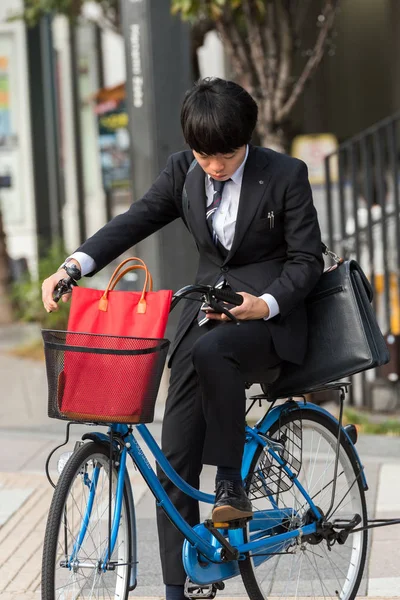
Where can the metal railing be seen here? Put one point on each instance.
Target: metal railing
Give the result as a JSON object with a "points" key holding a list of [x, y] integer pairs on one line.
{"points": [[363, 214]]}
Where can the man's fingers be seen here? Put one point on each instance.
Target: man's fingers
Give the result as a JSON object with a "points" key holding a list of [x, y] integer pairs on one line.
{"points": [[51, 306], [47, 295], [66, 297]]}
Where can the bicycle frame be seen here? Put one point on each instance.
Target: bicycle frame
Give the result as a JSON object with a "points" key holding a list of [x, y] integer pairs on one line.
{"points": [[204, 558], [200, 541]]}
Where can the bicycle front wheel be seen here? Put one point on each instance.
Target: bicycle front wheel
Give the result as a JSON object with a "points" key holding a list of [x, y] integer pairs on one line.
{"points": [[306, 568], [77, 532]]}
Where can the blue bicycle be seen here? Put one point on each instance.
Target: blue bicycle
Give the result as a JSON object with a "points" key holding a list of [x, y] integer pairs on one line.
{"points": [[308, 535]]}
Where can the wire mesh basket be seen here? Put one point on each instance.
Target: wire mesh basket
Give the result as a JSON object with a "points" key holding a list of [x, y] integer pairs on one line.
{"points": [[103, 378], [269, 477]]}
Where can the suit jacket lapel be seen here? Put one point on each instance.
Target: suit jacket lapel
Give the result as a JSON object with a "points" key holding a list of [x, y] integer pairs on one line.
{"points": [[254, 185], [197, 200]]}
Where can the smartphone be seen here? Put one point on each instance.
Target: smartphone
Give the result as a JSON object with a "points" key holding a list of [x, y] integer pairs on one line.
{"points": [[206, 307]]}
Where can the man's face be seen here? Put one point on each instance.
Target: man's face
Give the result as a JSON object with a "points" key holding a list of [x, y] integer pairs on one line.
{"points": [[221, 166]]}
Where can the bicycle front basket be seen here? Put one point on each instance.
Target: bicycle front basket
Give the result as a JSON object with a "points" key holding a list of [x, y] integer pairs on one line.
{"points": [[103, 378]]}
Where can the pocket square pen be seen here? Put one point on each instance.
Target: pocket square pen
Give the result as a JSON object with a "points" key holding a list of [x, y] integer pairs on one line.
{"points": [[271, 218]]}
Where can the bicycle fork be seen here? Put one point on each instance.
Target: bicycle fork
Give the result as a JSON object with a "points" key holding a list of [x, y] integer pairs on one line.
{"points": [[104, 564]]}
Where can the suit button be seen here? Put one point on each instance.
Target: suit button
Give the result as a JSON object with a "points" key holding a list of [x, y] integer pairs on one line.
{"points": [[224, 269]]}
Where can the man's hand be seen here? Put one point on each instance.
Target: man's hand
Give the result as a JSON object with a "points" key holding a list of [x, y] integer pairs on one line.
{"points": [[252, 308], [49, 285]]}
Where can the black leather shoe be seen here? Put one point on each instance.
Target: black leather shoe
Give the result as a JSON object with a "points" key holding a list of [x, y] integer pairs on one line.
{"points": [[231, 502]]}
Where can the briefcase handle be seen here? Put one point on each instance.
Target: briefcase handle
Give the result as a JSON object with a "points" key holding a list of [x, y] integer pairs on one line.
{"points": [[337, 259]]}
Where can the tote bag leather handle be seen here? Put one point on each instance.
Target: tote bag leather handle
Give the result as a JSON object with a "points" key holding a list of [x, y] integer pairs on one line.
{"points": [[148, 282], [120, 268], [118, 274]]}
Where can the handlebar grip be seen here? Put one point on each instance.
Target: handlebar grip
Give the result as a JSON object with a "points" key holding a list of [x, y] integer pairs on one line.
{"points": [[228, 296], [59, 290], [64, 286]]}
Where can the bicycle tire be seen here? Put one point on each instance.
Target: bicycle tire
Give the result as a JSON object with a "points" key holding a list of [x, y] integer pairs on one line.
{"points": [[87, 452], [247, 569]]}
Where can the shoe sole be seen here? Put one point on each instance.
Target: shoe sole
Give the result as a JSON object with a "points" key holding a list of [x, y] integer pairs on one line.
{"points": [[224, 514]]}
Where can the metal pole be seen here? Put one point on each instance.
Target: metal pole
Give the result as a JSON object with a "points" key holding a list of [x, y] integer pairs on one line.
{"points": [[342, 206], [77, 133], [329, 208], [381, 193], [354, 197], [368, 193], [45, 138], [157, 49], [393, 149]]}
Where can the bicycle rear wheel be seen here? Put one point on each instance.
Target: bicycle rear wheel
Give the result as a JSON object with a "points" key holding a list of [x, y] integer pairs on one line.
{"points": [[307, 569], [71, 568]]}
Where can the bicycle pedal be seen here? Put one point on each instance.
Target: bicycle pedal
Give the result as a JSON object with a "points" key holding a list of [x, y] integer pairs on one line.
{"points": [[236, 524], [194, 590]]}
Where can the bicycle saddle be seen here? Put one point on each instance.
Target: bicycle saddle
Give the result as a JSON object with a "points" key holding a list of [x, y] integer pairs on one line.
{"points": [[270, 376]]}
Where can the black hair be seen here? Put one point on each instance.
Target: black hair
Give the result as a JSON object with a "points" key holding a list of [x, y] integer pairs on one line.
{"points": [[218, 116]]}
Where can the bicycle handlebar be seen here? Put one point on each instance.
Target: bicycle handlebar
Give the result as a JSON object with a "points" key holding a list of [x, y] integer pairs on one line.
{"points": [[228, 296], [210, 294]]}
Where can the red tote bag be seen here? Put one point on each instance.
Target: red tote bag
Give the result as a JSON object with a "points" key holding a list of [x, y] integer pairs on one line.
{"points": [[113, 376]]}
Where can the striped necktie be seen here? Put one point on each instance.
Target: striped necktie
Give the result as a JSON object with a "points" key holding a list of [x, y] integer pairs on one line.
{"points": [[212, 209]]}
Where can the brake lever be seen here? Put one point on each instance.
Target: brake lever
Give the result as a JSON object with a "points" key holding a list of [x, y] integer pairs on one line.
{"points": [[230, 315]]}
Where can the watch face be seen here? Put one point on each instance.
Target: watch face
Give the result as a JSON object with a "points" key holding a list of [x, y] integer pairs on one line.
{"points": [[73, 270]]}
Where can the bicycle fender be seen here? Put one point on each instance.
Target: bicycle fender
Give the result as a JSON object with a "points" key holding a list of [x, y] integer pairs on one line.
{"points": [[97, 436], [104, 440], [273, 416]]}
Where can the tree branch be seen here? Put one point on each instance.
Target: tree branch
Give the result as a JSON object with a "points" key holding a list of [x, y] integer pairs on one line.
{"points": [[256, 49], [235, 56], [314, 60], [236, 48], [271, 45], [286, 55]]}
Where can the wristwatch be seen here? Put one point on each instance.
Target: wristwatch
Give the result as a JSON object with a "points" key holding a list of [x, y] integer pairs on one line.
{"points": [[71, 269]]}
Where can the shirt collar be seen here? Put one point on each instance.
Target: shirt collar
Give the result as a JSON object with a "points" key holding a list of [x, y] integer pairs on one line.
{"points": [[238, 174]]}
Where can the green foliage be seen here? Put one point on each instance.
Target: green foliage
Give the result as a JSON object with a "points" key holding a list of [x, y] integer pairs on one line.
{"points": [[27, 293], [192, 10], [34, 10], [370, 425]]}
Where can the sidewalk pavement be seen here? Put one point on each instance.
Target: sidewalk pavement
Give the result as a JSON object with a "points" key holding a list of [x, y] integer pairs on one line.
{"points": [[26, 438]]}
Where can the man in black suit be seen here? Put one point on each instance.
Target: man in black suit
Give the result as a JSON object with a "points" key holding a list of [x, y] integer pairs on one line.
{"points": [[251, 214]]}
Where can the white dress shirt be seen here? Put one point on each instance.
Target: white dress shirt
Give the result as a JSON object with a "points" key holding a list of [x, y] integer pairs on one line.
{"points": [[224, 225]]}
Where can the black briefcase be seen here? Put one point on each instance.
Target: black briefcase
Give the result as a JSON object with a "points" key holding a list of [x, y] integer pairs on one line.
{"points": [[343, 334]]}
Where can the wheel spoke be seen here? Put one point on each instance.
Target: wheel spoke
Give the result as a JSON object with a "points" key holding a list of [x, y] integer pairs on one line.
{"points": [[311, 569], [83, 579]]}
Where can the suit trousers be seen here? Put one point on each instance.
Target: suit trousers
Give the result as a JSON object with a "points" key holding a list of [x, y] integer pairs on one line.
{"points": [[204, 421]]}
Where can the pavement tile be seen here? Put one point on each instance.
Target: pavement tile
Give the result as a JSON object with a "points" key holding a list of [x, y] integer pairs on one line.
{"points": [[21, 536], [15, 455], [384, 587], [11, 501], [389, 489], [389, 532], [17, 596], [384, 561]]}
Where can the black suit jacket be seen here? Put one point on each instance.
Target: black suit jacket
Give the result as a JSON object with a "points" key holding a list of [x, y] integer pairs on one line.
{"points": [[285, 260]]}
